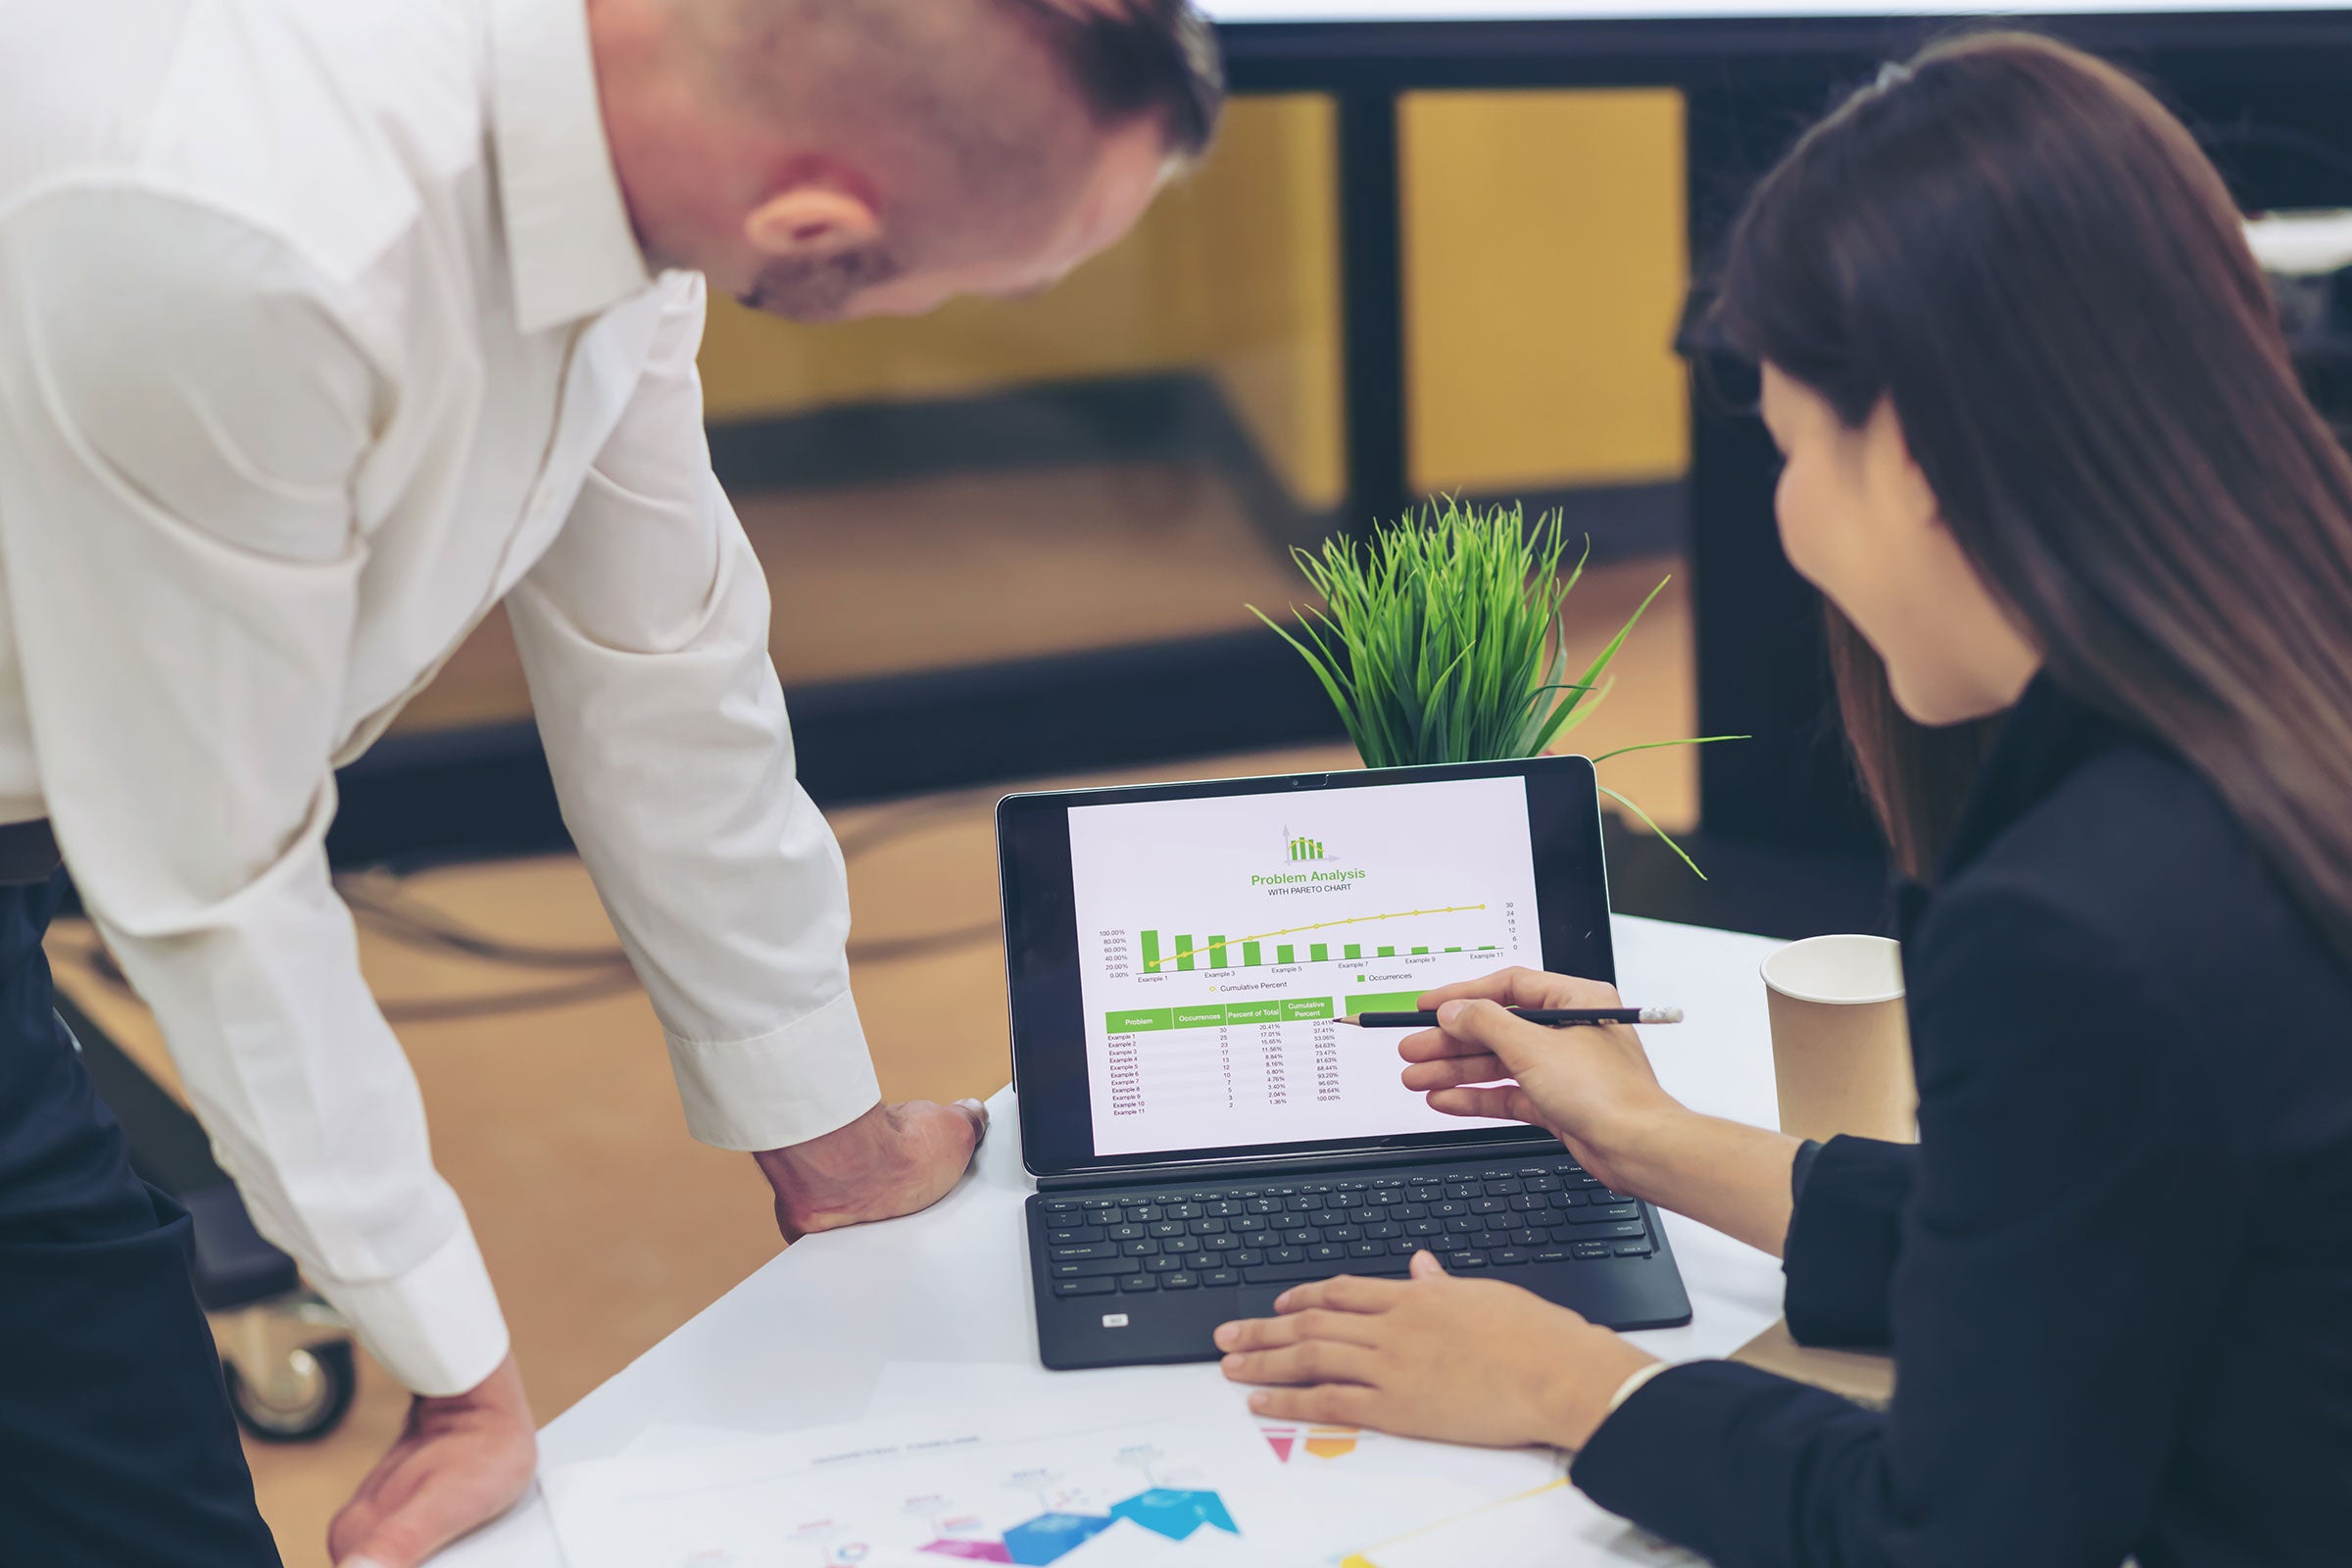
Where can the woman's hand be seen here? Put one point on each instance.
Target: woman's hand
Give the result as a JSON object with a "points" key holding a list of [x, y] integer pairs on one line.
{"points": [[1432, 1357], [1591, 1086]]}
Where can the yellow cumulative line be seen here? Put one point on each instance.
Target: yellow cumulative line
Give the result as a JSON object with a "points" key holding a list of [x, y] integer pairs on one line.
{"points": [[1321, 925], [1364, 1559]]}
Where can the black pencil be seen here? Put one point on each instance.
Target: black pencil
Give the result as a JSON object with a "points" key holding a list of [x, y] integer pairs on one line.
{"points": [[1551, 1017]]}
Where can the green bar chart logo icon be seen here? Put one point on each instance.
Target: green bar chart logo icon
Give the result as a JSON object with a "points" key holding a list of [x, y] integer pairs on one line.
{"points": [[1302, 846]]}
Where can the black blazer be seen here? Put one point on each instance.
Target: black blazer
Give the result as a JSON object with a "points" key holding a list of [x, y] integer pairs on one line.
{"points": [[2117, 1269]]}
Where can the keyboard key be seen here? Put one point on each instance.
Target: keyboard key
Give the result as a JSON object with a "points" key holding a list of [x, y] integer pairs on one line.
{"points": [[1530, 1237], [1102, 1285], [1448, 1209], [1263, 1205], [1087, 1268], [1248, 1257], [1366, 1250], [1567, 1200], [1221, 1209], [1184, 1211], [1163, 1265], [1425, 1227], [1527, 1203], [1137, 1284], [1216, 1277], [1220, 1243], [1205, 1227], [1407, 1246], [1181, 1281], [1366, 1216], [1386, 1231], [1126, 1233], [1590, 1250], [1504, 1187], [1286, 1254], [1287, 1273], [1249, 1222], [1146, 1247], [1507, 1256], [1326, 1251], [1071, 1255], [1462, 1190], [1409, 1212], [1343, 1233], [1633, 1249], [1551, 1254], [1618, 1228], [1176, 1244], [1461, 1260], [1544, 1183], [1302, 1236], [1074, 1237], [1140, 1213], [1489, 1206], [1165, 1228]]}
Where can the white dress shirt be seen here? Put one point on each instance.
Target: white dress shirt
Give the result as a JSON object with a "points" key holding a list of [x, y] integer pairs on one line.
{"points": [[323, 330]]}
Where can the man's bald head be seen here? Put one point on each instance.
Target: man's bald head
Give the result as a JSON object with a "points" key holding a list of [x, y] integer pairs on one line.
{"points": [[827, 158]]}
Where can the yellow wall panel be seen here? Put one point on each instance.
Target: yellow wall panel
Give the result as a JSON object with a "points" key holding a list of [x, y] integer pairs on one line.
{"points": [[1545, 264]]}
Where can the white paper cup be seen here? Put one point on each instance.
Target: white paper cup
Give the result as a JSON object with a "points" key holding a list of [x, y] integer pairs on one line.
{"points": [[1841, 1040]]}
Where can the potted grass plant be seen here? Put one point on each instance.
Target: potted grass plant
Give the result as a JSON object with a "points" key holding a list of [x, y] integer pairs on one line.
{"points": [[1444, 639]]}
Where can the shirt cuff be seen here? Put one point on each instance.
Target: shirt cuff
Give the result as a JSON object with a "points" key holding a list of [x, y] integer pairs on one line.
{"points": [[1632, 1384], [778, 1089], [436, 1327]]}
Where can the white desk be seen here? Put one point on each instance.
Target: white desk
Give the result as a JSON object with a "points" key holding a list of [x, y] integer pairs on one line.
{"points": [[801, 1342]]}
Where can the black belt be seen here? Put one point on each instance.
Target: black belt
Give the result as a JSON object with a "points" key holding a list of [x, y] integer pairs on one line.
{"points": [[28, 853]]}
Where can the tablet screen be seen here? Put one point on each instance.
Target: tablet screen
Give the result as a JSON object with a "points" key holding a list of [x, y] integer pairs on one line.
{"points": [[1216, 937]]}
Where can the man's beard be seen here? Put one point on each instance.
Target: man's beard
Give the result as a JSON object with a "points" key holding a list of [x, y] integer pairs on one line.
{"points": [[820, 288]]}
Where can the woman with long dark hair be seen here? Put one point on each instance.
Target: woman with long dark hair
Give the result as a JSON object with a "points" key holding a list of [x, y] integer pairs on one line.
{"points": [[2088, 550]]}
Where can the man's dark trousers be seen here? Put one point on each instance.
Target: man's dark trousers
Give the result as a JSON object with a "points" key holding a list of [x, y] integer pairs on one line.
{"points": [[116, 1446]]}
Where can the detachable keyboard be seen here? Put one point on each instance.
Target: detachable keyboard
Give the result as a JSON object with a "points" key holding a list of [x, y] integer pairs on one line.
{"points": [[1143, 1272]]}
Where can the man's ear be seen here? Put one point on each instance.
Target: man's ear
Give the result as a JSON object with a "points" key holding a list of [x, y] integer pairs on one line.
{"points": [[811, 220]]}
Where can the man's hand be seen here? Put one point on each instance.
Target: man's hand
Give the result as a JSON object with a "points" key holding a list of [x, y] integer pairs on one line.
{"points": [[462, 1462], [1459, 1360], [893, 1160]]}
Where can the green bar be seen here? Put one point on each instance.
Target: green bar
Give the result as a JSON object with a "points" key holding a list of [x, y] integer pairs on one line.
{"points": [[1249, 958], [1209, 1017], [1142, 1022], [1381, 1001], [1253, 1011], [1151, 942], [1216, 954], [1300, 1009], [1384, 952], [1355, 951], [1489, 947], [1285, 954], [1318, 952], [1453, 950], [1417, 951], [1317, 853], [1184, 953]]}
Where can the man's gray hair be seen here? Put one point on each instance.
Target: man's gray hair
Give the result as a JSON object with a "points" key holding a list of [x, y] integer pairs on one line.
{"points": [[1132, 57]]}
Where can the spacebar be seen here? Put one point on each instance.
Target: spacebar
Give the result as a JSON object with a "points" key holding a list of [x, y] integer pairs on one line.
{"points": [[1283, 1273]]}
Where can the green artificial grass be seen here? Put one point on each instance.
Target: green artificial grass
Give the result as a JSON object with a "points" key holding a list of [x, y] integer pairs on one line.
{"points": [[1444, 639]]}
